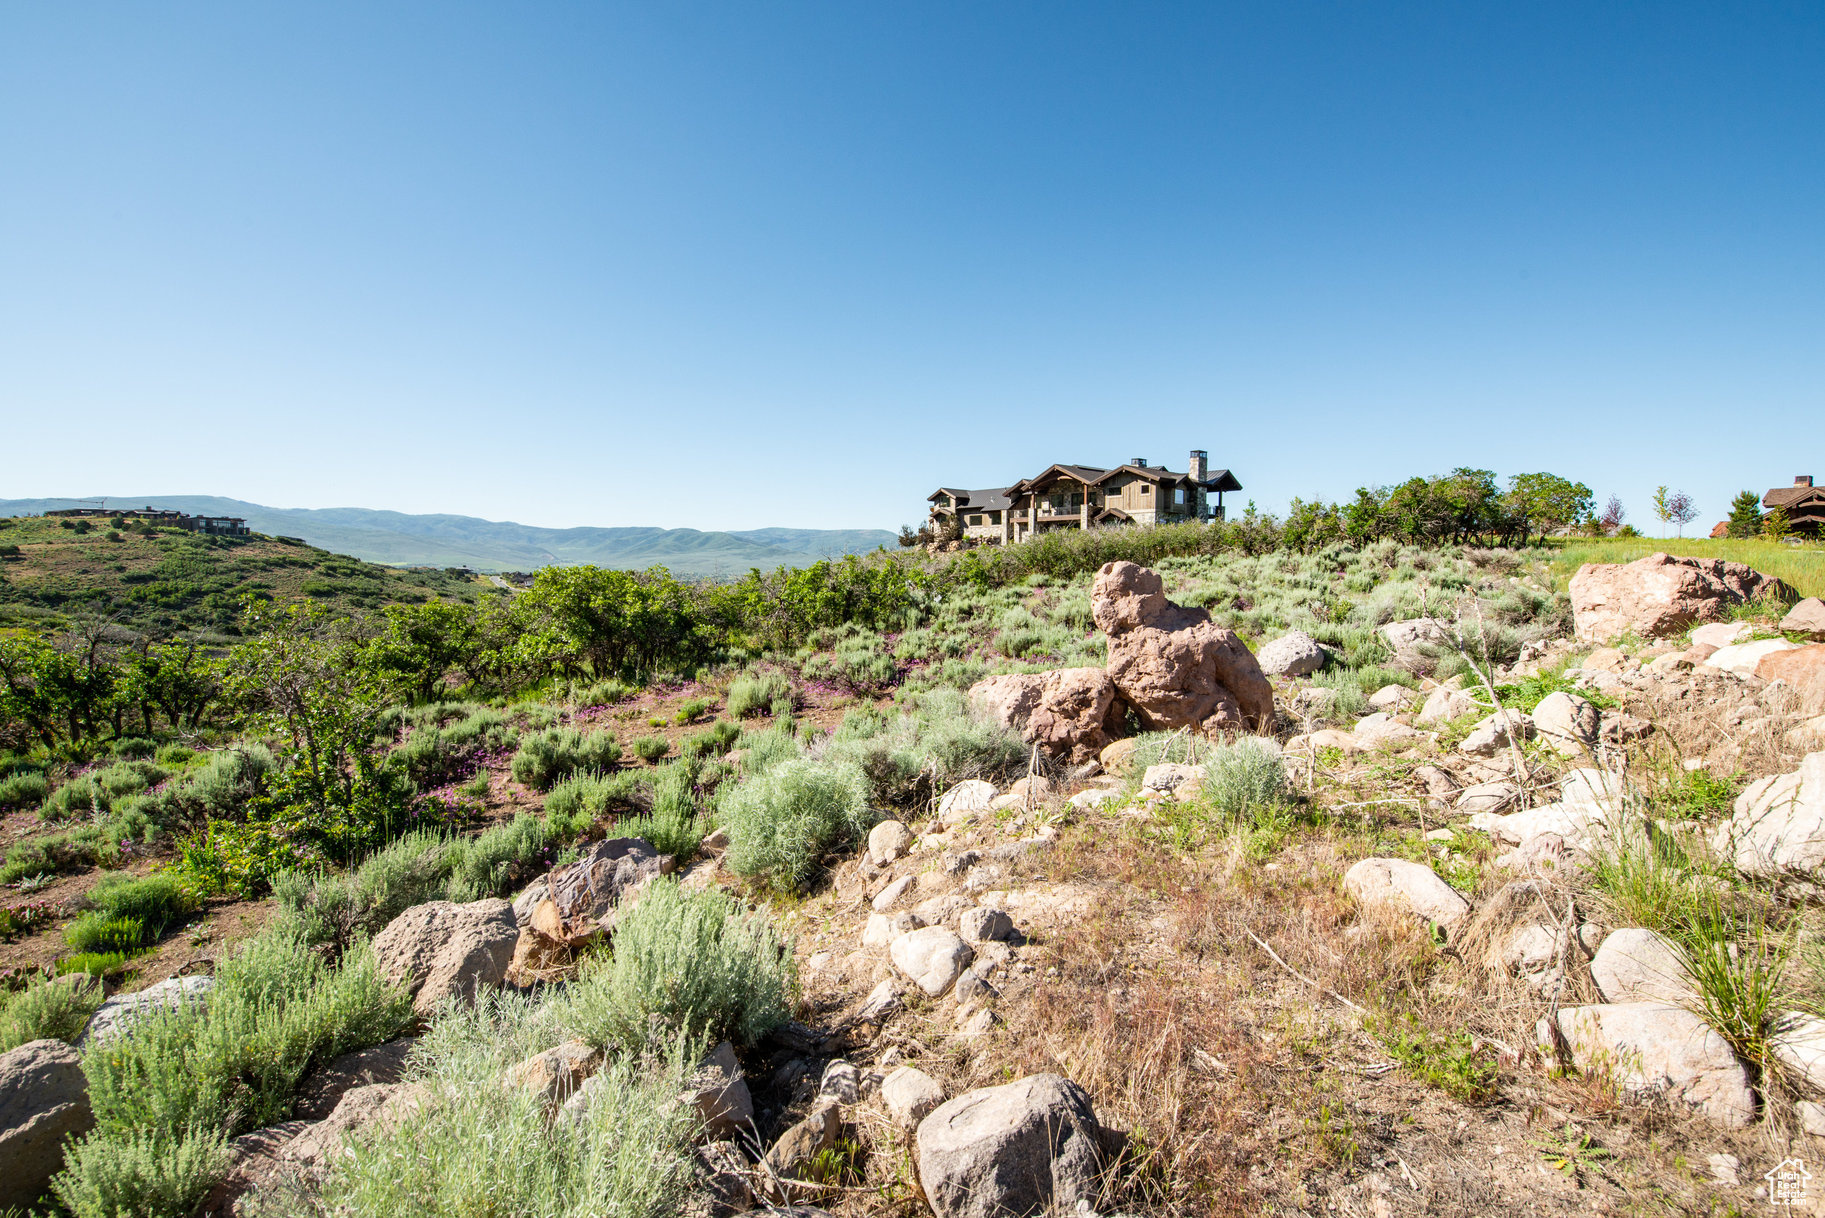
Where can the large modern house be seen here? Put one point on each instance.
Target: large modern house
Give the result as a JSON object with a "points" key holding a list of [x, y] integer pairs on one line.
{"points": [[1804, 504], [1086, 496]]}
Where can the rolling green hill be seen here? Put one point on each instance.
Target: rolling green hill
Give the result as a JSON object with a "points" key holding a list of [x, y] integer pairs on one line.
{"points": [[401, 539]]}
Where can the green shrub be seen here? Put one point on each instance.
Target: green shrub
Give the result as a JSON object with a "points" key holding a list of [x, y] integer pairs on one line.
{"points": [[670, 832], [94, 964], [174, 755], [234, 1062], [156, 902], [142, 1173], [931, 744], [685, 962], [755, 691], [714, 742], [860, 665], [22, 790], [767, 749], [134, 747], [782, 823], [97, 932], [582, 799], [627, 1155], [46, 1010], [602, 693], [484, 864], [1244, 776], [339, 907], [100, 790], [651, 748], [550, 755]]}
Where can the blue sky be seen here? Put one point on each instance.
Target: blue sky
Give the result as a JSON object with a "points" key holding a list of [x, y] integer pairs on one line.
{"points": [[736, 265]]}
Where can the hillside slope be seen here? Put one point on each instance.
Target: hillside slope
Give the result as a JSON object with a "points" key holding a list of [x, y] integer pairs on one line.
{"points": [[166, 580], [400, 538]]}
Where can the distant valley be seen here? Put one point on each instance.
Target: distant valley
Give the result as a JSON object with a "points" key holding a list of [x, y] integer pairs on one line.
{"points": [[398, 538]]}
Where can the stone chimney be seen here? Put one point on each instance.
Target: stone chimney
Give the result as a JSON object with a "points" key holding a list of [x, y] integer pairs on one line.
{"points": [[1200, 465], [1803, 480]]}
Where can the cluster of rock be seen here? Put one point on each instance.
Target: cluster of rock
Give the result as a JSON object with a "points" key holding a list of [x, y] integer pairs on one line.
{"points": [[1168, 664]]}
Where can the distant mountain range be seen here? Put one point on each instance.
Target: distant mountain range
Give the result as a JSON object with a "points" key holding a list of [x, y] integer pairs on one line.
{"points": [[489, 545]]}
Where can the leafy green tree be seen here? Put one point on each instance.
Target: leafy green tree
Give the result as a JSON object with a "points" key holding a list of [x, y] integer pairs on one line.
{"points": [[175, 679], [1776, 525], [1545, 503], [1746, 515], [421, 645], [296, 680], [612, 622], [1663, 506]]}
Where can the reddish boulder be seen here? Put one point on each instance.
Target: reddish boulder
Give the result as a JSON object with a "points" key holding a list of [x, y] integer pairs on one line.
{"points": [[1009, 699], [1801, 667], [1172, 664], [1077, 715], [1071, 713], [1660, 595]]}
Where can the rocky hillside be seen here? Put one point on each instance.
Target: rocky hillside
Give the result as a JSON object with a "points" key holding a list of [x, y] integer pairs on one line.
{"points": [[1377, 883]]}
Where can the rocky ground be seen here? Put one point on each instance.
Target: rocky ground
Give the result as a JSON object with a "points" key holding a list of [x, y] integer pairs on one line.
{"points": [[1537, 938]]}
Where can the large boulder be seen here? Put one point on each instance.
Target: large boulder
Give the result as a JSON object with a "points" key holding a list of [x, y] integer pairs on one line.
{"points": [[324, 1089], [1293, 654], [1654, 1051], [1778, 829], [1406, 887], [1807, 618], [442, 950], [1801, 667], [44, 1099], [1659, 596], [1070, 713], [1007, 700], [378, 1104], [590, 889], [1636, 965], [1029, 1147], [1172, 664], [117, 1015], [1077, 716]]}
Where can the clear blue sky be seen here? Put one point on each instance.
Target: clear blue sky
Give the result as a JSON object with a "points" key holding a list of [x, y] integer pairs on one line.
{"points": [[796, 264]]}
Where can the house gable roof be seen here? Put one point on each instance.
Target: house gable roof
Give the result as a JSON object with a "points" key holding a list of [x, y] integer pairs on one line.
{"points": [[991, 499], [1791, 497]]}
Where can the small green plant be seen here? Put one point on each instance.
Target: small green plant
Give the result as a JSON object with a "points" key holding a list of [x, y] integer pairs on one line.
{"points": [[477, 787], [1448, 1061], [691, 710], [651, 748], [95, 964], [23, 789], [1570, 1151], [96, 932], [154, 1173], [1697, 795]]}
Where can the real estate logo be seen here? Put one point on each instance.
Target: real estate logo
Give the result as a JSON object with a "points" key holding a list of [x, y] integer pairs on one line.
{"points": [[1787, 1182]]}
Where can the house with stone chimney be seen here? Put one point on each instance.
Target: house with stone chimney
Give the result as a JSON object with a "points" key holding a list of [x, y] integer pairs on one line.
{"points": [[1087, 497], [1804, 504]]}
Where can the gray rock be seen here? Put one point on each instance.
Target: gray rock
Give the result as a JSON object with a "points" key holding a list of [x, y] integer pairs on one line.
{"points": [[320, 1093], [884, 900], [985, 926], [44, 1099], [965, 801], [720, 1094], [799, 1146], [376, 1104], [842, 1082], [1391, 698], [884, 928], [1799, 1041], [910, 1095], [1406, 887], [589, 889], [888, 841], [1567, 722], [1029, 1147], [1493, 734], [442, 950], [558, 1073], [1293, 654], [1487, 797], [1778, 829], [931, 957], [1636, 965], [1447, 702], [528, 900], [118, 1014], [1656, 1052], [1807, 618]]}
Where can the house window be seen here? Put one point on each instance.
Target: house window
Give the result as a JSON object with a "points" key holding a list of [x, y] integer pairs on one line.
{"points": [[1146, 490], [994, 517], [975, 519], [1178, 495]]}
